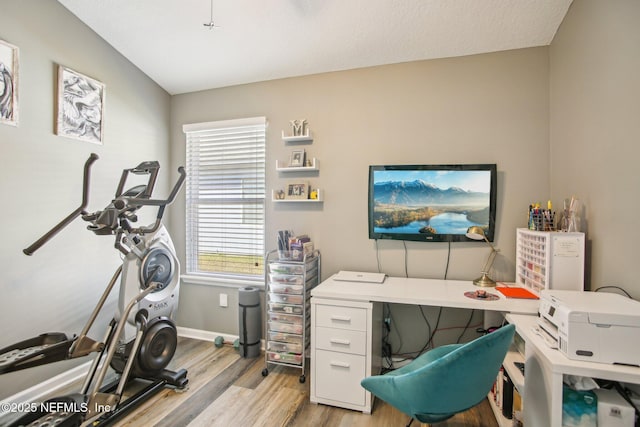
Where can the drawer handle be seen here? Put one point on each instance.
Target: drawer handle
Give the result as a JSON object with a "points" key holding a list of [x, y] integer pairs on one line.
{"points": [[341, 318], [339, 341], [340, 364]]}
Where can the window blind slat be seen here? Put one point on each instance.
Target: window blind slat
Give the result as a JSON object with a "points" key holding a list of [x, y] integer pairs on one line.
{"points": [[225, 194]]}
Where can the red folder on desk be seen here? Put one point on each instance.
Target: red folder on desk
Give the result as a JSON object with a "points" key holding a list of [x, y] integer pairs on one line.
{"points": [[510, 292]]}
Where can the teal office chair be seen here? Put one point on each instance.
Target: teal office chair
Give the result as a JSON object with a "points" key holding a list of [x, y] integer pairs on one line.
{"points": [[446, 380]]}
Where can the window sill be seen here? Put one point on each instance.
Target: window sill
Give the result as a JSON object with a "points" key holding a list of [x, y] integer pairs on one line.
{"points": [[222, 281]]}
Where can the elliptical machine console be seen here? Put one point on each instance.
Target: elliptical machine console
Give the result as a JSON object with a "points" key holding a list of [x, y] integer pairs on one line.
{"points": [[141, 339]]}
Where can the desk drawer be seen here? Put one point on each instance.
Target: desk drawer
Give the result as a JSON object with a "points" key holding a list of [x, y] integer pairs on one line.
{"points": [[338, 376], [333, 316], [342, 340]]}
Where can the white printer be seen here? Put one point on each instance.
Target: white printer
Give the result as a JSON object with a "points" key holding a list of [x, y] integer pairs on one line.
{"points": [[592, 326]]}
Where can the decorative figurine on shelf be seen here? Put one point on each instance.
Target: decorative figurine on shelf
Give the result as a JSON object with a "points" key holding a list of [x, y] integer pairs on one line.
{"points": [[299, 127]]}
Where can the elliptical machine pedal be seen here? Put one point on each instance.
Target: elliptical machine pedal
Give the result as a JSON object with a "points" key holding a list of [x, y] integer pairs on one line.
{"points": [[43, 349]]}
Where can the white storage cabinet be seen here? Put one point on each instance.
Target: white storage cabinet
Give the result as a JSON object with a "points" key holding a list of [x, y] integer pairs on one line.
{"points": [[549, 260], [345, 348]]}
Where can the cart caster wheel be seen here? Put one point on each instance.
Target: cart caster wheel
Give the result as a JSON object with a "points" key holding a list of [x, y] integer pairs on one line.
{"points": [[265, 372], [302, 379]]}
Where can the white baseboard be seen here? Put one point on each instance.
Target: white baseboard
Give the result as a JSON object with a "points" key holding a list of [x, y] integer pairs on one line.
{"points": [[199, 334], [39, 391]]}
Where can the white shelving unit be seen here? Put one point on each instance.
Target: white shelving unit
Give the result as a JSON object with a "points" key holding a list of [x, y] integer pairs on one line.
{"points": [[549, 260], [544, 260], [545, 371], [517, 378], [301, 171]]}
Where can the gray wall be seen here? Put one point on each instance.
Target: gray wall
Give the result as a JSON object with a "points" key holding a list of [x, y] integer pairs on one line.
{"points": [[479, 109], [41, 177], [595, 132]]}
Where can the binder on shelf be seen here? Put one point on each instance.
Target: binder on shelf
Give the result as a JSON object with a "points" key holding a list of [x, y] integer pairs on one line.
{"points": [[507, 395]]}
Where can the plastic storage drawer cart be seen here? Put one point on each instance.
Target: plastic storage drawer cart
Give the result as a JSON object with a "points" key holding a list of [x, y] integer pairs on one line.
{"points": [[288, 286]]}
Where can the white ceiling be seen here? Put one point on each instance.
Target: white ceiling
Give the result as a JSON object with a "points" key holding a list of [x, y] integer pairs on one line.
{"points": [[261, 40]]}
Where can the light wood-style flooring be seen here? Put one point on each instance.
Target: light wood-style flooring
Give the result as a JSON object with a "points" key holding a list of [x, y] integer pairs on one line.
{"points": [[228, 390]]}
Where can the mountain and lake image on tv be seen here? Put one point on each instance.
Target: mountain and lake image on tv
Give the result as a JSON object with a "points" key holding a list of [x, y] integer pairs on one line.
{"points": [[431, 202]]}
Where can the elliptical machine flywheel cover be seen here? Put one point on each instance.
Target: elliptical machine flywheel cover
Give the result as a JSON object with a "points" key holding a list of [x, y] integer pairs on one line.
{"points": [[157, 266], [158, 346]]}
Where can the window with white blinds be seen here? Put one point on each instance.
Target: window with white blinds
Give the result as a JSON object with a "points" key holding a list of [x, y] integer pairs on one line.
{"points": [[225, 197]]}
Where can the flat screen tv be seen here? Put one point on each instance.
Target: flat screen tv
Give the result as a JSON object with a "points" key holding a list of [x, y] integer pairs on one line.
{"points": [[431, 203]]}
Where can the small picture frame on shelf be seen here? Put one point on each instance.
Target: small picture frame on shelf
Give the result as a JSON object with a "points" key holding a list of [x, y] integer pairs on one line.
{"points": [[297, 159], [297, 191]]}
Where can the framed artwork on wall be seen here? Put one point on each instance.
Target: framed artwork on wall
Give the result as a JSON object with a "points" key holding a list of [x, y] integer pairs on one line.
{"points": [[80, 109], [8, 83]]}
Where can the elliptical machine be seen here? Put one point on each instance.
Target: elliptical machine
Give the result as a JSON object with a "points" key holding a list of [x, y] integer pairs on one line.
{"points": [[141, 339]]}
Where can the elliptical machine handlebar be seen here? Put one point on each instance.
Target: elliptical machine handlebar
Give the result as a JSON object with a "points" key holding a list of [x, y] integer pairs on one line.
{"points": [[161, 203], [141, 201], [79, 211], [122, 207]]}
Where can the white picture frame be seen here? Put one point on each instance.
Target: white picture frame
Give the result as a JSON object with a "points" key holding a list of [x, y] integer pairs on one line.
{"points": [[9, 71], [80, 108], [297, 159], [297, 191]]}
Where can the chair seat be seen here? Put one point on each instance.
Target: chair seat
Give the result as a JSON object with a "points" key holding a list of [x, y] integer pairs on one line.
{"points": [[446, 380]]}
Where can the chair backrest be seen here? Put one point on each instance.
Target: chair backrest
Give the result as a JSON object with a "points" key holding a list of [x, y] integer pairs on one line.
{"points": [[460, 379]]}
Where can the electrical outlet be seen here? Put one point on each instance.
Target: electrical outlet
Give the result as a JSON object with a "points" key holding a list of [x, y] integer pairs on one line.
{"points": [[224, 302]]}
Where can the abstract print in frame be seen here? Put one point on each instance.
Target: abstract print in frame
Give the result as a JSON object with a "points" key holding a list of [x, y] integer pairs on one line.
{"points": [[80, 106], [8, 83]]}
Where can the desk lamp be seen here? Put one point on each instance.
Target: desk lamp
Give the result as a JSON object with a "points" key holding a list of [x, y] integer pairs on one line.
{"points": [[477, 233]]}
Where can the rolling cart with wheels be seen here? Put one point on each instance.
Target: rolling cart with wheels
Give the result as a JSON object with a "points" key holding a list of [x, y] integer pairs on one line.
{"points": [[288, 292]]}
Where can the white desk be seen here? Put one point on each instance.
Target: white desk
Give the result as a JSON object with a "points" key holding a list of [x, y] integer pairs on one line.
{"points": [[346, 328], [432, 292], [544, 371]]}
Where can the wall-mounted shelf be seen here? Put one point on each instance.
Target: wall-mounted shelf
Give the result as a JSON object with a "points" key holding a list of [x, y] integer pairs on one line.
{"points": [[320, 198], [282, 167], [297, 138]]}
